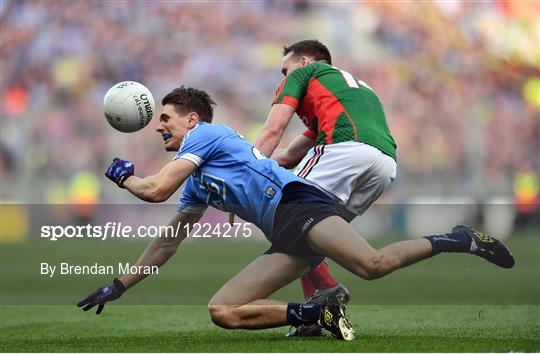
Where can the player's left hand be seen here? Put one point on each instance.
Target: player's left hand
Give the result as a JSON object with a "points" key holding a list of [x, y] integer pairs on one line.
{"points": [[119, 171], [103, 295]]}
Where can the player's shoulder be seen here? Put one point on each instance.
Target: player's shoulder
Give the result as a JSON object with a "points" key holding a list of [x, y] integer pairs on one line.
{"points": [[208, 130], [214, 128], [320, 65], [311, 70]]}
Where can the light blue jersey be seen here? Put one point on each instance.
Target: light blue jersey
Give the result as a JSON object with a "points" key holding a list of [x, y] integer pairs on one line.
{"points": [[232, 176]]}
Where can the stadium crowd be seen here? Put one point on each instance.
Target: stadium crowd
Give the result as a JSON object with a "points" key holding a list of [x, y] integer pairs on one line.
{"points": [[460, 81]]}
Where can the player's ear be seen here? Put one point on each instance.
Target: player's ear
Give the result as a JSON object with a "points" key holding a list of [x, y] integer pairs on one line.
{"points": [[306, 60], [193, 119]]}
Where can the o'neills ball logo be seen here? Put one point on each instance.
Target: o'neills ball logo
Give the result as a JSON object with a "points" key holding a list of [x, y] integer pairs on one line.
{"points": [[143, 105]]}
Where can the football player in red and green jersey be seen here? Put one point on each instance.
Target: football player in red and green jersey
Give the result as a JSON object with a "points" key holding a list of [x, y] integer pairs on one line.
{"points": [[347, 149], [335, 107]]}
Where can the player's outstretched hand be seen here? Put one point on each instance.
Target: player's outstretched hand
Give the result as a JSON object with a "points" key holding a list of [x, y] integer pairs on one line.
{"points": [[103, 295], [119, 171]]}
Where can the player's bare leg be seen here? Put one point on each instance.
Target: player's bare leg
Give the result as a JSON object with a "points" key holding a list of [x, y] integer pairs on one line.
{"points": [[321, 278], [318, 284], [242, 303], [336, 239]]}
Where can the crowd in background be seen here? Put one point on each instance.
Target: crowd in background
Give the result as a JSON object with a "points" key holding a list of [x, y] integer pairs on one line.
{"points": [[460, 82]]}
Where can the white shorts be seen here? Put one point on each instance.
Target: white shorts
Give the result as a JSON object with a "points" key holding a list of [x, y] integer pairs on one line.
{"points": [[354, 174]]}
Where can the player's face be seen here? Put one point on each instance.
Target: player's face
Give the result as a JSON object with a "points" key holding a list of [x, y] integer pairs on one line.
{"points": [[174, 126], [291, 62]]}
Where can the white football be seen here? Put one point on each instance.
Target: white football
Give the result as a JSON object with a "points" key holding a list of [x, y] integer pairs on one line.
{"points": [[128, 106]]}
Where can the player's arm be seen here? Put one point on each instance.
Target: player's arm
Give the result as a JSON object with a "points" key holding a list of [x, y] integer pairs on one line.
{"points": [[162, 248], [157, 253], [288, 95], [295, 152], [156, 188], [278, 119]]}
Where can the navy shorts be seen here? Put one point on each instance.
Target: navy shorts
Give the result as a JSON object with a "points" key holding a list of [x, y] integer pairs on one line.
{"points": [[301, 207]]}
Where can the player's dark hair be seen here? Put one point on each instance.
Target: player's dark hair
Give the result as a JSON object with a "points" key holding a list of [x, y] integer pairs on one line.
{"points": [[309, 47], [190, 99]]}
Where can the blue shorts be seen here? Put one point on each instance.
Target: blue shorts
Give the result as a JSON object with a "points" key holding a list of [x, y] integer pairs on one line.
{"points": [[301, 207]]}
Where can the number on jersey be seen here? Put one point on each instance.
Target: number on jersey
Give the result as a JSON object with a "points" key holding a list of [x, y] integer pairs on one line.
{"points": [[352, 82], [216, 189]]}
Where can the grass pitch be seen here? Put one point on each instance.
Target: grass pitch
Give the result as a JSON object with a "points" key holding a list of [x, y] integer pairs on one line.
{"points": [[451, 303], [147, 328]]}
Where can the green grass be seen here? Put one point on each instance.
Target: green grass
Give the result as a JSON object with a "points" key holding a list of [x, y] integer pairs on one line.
{"points": [[201, 267], [448, 303], [407, 328]]}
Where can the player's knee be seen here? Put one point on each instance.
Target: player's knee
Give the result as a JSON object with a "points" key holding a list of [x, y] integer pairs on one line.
{"points": [[223, 316], [378, 266]]}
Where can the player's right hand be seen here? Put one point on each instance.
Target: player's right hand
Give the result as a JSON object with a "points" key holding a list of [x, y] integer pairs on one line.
{"points": [[119, 170], [103, 295]]}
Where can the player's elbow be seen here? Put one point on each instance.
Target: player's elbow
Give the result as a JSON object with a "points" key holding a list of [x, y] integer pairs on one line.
{"points": [[169, 249], [158, 195], [164, 247], [286, 160]]}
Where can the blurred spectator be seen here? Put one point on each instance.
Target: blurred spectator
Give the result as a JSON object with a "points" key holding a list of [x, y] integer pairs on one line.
{"points": [[459, 80]]}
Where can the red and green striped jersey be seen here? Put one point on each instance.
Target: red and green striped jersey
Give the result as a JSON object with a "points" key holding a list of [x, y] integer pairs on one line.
{"points": [[336, 107]]}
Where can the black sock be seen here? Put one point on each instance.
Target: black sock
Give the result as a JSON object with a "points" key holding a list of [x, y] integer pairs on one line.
{"points": [[454, 242], [301, 314]]}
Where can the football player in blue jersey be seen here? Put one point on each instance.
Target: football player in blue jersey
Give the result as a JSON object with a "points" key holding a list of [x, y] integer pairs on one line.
{"points": [[223, 170]]}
